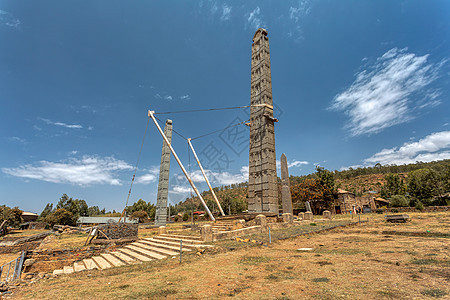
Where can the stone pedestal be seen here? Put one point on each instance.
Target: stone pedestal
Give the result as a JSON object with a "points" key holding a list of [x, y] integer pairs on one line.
{"points": [[162, 230], [262, 221], [308, 216], [327, 214], [301, 216], [206, 232], [288, 218]]}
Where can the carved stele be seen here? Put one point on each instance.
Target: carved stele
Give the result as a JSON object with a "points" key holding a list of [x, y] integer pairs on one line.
{"points": [[262, 183], [163, 184], [286, 198]]}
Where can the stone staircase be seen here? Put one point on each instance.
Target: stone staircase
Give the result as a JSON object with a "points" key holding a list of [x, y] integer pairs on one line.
{"points": [[147, 249], [223, 225]]}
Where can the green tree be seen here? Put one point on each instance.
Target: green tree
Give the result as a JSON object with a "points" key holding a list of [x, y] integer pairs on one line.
{"points": [[47, 210], [61, 216], [140, 215], [93, 211], [12, 215], [393, 186]]}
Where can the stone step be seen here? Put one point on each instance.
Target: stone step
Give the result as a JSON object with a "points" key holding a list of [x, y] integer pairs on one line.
{"points": [[90, 264], [135, 255], [123, 257], [192, 237], [176, 248], [185, 241], [112, 260], [156, 249], [145, 252], [78, 266], [175, 243], [68, 269], [58, 272], [101, 262]]}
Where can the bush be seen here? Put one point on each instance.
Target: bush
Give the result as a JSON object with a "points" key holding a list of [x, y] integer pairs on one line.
{"points": [[398, 201], [185, 216], [176, 218], [419, 205], [379, 211], [61, 216], [140, 215]]}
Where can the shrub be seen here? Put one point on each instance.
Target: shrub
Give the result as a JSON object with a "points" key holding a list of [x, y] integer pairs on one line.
{"points": [[176, 218], [185, 216], [398, 201], [140, 215], [61, 216], [419, 205], [379, 211]]}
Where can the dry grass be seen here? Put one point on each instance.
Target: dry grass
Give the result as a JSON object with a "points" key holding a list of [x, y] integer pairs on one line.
{"points": [[358, 262]]}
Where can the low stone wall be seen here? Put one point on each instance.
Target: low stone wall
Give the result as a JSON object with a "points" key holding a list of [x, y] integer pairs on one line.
{"points": [[118, 231], [223, 235], [413, 209]]}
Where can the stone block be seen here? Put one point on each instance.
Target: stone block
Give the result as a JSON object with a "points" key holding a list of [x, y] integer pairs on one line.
{"points": [[261, 220], [327, 214], [288, 218], [301, 216], [206, 232], [162, 230], [308, 216]]}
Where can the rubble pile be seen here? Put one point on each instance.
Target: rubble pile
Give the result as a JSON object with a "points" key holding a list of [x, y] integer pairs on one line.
{"points": [[115, 231]]}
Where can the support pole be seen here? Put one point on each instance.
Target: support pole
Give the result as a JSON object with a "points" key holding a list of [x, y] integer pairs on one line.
{"points": [[206, 178], [150, 114]]}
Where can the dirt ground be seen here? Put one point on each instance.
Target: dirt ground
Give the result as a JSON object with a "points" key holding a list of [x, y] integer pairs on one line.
{"points": [[411, 261]]}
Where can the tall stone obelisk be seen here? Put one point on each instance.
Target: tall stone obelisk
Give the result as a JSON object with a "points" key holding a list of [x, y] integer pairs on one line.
{"points": [[163, 184], [262, 183], [286, 197]]}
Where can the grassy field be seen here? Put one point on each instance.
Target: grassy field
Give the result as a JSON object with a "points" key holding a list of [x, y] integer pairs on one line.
{"points": [[357, 262]]}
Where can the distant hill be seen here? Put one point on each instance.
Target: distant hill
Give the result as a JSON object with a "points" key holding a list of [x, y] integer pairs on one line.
{"points": [[361, 181]]}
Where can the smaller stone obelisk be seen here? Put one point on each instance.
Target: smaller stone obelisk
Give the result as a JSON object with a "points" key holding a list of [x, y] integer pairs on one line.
{"points": [[163, 184], [285, 186]]}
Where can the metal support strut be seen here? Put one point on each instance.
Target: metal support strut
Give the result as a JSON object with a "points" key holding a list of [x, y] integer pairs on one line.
{"points": [[206, 178], [151, 115]]}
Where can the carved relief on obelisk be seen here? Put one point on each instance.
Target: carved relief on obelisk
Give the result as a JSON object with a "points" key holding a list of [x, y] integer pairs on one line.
{"points": [[262, 184], [163, 184]]}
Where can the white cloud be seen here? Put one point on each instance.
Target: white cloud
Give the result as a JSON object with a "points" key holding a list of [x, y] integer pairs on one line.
{"points": [[435, 146], [7, 19], [226, 12], [17, 139], [71, 126], [385, 94], [151, 176], [177, 189], [294, 163], [88, 170], [185, 97], [254, 19], [298, 13], [168, 97]]}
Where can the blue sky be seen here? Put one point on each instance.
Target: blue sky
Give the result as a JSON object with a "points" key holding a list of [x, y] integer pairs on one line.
{"points": [[355, 83]]}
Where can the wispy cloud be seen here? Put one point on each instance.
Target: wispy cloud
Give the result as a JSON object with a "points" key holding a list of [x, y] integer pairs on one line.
{"points": [[150, 176], [71, 126], [226, 12], [386, 93], [293, 163], [17, 139], [88, 170], [168, 97], [297, 13], [185, 97], [435, 146], [7, 19], [254, 19]]}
